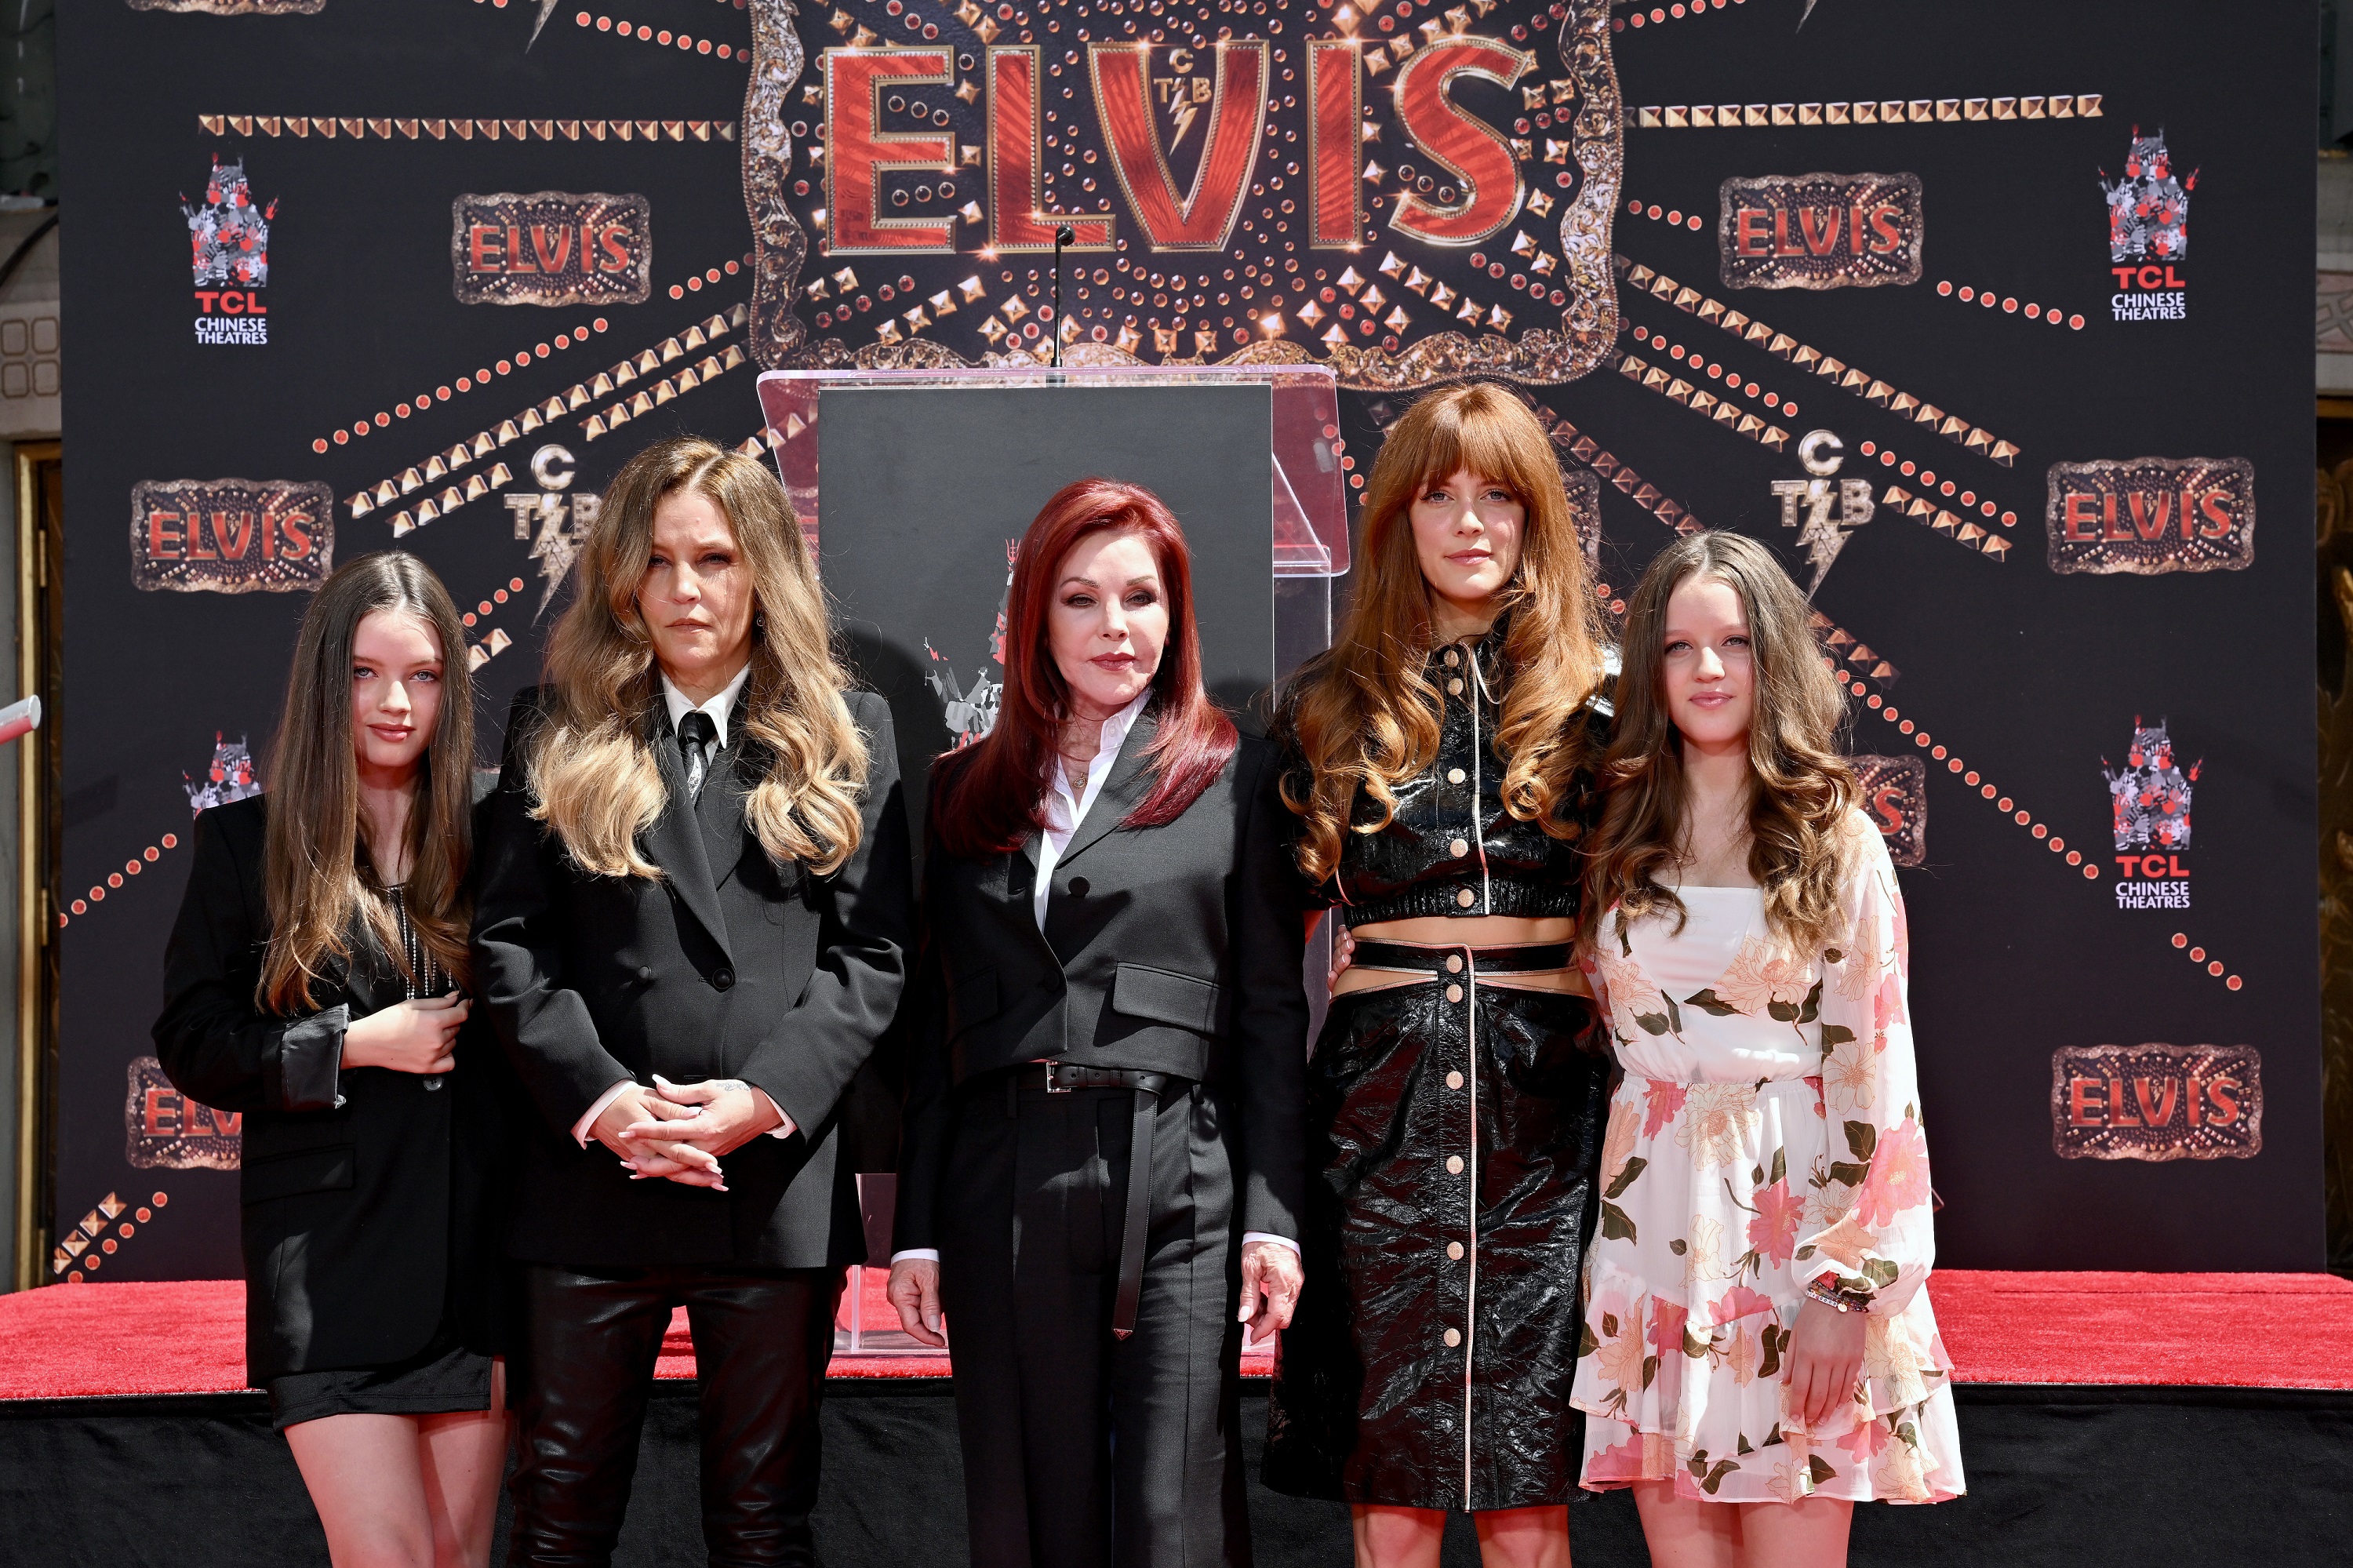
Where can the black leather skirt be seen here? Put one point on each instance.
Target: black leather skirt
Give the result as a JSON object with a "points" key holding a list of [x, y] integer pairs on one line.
{"points": [[1455, 1129]]}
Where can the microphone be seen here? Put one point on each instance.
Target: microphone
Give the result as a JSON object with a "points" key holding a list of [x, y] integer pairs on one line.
{"points": [[1063, 235]]}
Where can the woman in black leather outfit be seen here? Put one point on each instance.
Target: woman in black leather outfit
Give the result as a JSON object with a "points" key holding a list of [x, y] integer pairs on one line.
{"points": [[1439, 765]]}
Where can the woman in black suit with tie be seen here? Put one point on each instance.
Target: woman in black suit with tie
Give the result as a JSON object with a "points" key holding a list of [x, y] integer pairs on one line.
{"points": [[313, 983], [691, 927], [1103, 1151]]}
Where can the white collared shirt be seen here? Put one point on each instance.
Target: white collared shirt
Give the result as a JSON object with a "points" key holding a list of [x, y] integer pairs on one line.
{"points": [[1063, 816], [718, 707]]}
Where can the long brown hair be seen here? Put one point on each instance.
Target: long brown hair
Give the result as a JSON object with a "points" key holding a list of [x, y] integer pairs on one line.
{"points": [[591, 766], [321, 890], [1364, 715], [1800, 809], [988, 798]]}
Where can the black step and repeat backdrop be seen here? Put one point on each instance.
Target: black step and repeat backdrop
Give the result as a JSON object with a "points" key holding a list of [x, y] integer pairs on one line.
{"points": [[1907, 291]]}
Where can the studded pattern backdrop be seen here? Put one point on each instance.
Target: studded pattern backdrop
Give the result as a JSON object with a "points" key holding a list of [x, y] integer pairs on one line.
{"points": [[1907, 293]]}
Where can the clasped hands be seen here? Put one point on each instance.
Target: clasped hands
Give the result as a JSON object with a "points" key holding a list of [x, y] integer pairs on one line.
{"points": [[1271, 1280], [677, 1132]]}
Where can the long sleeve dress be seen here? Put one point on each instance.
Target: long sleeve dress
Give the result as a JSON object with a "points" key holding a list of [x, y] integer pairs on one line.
{"points": [[1766, 1135]]}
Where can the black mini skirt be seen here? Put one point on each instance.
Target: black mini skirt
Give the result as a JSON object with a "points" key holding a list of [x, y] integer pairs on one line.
{"points": [[443, 1378]]}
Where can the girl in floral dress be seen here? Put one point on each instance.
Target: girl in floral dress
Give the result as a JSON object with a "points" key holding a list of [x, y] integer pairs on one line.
{"points": [[1758, 1352]]}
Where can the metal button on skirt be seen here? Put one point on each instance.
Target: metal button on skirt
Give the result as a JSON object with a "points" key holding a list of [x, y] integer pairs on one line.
{"points": [[1454, 1133]]}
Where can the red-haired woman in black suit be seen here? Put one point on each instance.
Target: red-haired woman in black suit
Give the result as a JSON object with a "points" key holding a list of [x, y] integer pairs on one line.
{"points": [[1104, 1151]]}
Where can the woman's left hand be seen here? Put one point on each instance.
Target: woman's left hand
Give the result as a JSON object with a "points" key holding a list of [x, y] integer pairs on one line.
{"points": [[1825, 1363], [1271, 1280], [714, 1116]]}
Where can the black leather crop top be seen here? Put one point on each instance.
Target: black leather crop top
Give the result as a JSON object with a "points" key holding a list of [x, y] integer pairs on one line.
{"points": [[1450, 848]]}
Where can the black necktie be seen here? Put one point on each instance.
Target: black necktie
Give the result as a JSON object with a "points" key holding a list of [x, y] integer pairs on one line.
{"points": [[698, 738]]}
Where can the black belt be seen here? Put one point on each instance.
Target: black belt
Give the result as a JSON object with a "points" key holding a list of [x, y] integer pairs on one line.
{"points": [[1529, 959], [1061, 1078]]}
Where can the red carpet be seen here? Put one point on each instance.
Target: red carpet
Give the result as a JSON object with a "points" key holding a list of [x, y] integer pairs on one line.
{"points": [[2227, 1330]]}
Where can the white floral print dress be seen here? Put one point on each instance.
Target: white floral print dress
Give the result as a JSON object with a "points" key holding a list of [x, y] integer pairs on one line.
{"points": [[1766, 1133]]}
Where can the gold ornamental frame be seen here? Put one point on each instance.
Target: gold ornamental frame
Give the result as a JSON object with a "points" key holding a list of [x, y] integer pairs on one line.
{"points": [[34, 1030]]}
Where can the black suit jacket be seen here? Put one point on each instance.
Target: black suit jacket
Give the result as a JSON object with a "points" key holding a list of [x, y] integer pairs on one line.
{"points": [[1175, 950], [727, 966], [361, 1221]]}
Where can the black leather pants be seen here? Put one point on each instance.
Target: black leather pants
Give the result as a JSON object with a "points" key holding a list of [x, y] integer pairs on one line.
{"points": [[762, 1339]]}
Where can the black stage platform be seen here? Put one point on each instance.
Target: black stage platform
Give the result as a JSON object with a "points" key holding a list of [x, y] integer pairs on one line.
{"points": [[2057, 1476]]}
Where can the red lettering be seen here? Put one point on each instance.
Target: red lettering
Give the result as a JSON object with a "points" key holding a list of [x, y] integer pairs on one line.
{"points": [[2226, 1102], [1335, 76], [2175, 869], [1018, 215], [2085, 1106], [2119, 1113], [1782, 243], [482, 254], [515, 260], [2110, 528], [243, 536], [2123, 276], [232, 303], [207, 299], [2216, 511], [2172, 281], [1884, 800], [162, 539], [1820, 241], [297, 538], [1203, 218], [2156, 1110], [2075, 515], [1882, 220], [1748, 231], [2142, 523], [1457, 140], [196, 539], [2151, 276], [2128, 865], [1854, 220], [616, 253], [551, 261], [161, 1115], [2190, 1105], [858, 152], [269, 535], [254, 307]]}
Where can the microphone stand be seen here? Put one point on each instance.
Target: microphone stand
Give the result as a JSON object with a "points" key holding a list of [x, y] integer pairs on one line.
{"points": [[1063, 235]]}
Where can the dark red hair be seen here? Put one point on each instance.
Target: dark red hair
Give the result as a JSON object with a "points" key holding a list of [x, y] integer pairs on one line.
{"points": [[989, 797]]}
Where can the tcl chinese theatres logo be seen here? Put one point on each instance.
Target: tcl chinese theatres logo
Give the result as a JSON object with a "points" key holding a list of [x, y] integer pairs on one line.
{"points": [[228, 244], [2149, 801], [2157, 1102]]}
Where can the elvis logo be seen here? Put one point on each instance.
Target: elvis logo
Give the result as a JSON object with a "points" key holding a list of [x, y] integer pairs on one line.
{"points": [[165, 1130], [1819, 231], [1895, 791], [228, 242], [1407, 201], [231, 535], [1824, 514], [552, 247], [2151, 515], [2157, 1102], [970, 712], [2149, 799], [2148, 234], [229, 778]]}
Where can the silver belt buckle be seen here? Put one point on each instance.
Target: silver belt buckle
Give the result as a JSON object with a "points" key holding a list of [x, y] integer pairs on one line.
{"points": [[1054, 1079]]}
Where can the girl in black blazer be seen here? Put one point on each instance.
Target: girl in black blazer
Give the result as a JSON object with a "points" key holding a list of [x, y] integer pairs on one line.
{"points": [[314, 982], [1104, 1155]]}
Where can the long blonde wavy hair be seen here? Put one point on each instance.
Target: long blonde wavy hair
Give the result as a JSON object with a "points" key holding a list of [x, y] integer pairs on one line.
{"points": [[1363, 715], [1800, 810], [320, 889], [591, 766]]}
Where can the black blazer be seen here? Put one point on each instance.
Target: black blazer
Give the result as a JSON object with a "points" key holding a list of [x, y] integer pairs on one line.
{"points": [[363, 1217], [727, 966], [1175, 950]]}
